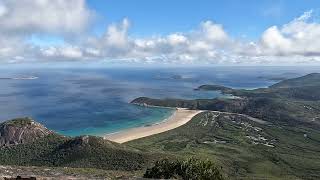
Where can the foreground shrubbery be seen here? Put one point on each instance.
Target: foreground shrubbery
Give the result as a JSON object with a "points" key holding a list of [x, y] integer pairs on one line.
{"points": [[187, 169]]}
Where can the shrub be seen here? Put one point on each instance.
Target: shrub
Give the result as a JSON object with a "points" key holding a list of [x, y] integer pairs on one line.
{"points": [[186, 169]]}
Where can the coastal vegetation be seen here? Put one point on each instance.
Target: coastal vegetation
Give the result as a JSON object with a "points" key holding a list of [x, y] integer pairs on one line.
{"points": [[264, 133], [270, 133], [79, 152], [92, 156], [287, 102], [243, 147], [192, 169]]}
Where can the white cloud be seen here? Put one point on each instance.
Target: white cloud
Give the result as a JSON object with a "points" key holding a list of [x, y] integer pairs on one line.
{"points": [[66, 52], [295, 42], [53, 16], [176, 39], [273, 41], [213, 32], [13, 46], [71, 52], [19, 20], [117, 35]]}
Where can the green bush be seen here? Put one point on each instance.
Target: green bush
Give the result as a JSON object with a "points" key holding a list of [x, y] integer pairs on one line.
{"points": [[186, 169]]}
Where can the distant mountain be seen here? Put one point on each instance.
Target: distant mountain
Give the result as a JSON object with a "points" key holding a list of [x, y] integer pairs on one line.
{"points": [[280, 77], [289, 101], [312, 79]]}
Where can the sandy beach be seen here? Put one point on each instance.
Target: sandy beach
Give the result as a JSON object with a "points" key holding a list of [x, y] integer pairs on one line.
{"points": [[178, 118]]}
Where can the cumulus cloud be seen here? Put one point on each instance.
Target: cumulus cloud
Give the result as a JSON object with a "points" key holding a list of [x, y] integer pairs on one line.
{"points": [[54, 16], [201, 43], [213, 32], [19, 20], [295, 42], [176, 39], [68, 52], [299, 37], [117, 35]]}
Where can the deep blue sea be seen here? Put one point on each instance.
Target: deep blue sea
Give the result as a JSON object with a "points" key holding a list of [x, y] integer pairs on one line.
{"points": [[95, 101]]}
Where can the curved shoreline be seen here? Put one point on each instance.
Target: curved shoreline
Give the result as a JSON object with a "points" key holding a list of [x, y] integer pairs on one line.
{"points": [[178, 118]]}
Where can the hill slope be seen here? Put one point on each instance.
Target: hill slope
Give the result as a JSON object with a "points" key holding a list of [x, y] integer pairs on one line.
{"points": [[28, 143], [85, 151], [286, 147], [243, 147], [21, 130], [307, 80]]}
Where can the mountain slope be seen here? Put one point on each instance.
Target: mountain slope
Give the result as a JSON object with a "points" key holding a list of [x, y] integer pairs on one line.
{"points": [[84, 151], [307, 80], [21, 130], [28, 143], [245, 148]]}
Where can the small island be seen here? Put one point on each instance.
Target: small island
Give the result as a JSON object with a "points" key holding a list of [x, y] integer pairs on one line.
{"points": [[19, 78], [220, 88]]}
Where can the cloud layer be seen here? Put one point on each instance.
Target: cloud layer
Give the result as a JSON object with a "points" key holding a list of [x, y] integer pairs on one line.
{"points": [[45, 16], [297, 41]]}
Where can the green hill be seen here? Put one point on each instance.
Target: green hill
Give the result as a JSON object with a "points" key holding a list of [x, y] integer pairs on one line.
{"points": [[245, 148], [84, 151], [25, 142], [292, 101], [308, 80], [85, 156], [286, 146]]}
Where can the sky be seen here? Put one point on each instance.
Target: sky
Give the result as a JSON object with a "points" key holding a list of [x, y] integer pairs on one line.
{"points": [[229, 32]]}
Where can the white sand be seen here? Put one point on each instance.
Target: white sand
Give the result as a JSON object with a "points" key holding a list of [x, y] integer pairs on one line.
{"points": [[179, 118]]}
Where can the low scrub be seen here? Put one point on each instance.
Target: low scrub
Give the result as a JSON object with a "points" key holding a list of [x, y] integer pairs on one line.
{"points": [[185, 169]]}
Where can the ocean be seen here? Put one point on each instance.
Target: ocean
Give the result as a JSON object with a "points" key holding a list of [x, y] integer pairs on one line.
{"points": [[95, 101]]}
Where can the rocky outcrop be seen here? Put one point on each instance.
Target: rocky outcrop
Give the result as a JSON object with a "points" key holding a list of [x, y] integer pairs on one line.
{"points": [[21, 130]]}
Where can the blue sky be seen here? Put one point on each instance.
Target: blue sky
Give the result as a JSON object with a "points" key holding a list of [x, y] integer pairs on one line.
{"points": [[229, 32], [239, 17]]}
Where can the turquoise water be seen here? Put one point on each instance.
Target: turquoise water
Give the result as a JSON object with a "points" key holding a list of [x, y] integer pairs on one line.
{"points": [[79, 101], [158, 114]]}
